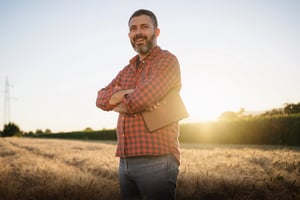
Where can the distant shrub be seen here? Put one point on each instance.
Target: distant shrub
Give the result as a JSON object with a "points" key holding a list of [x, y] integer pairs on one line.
{"points": [[11, 129], [81, 135]]}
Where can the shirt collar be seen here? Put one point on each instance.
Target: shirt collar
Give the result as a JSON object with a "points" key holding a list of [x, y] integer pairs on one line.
{"points": [[150, 55]]}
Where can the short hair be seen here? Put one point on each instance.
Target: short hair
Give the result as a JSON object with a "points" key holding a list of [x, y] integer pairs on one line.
{"points": [[145, 12]]}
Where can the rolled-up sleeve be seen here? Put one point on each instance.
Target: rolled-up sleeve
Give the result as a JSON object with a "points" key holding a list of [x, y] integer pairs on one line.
{"points": [[104, 94]]}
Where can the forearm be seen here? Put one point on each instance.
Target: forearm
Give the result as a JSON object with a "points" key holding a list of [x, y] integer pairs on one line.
{"points": [[105, 94], [117, 97], [103, 98]]}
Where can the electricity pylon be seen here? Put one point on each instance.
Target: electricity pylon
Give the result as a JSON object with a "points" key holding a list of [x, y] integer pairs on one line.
{"points": [[6, 112]]}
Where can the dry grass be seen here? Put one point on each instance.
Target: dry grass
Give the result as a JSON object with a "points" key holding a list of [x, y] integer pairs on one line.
{"points": [[65, 169]]}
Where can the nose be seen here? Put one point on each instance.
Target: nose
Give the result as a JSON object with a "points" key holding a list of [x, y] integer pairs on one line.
{"points": [[138, 31]]}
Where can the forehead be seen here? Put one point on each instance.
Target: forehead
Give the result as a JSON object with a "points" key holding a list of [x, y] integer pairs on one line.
{"points": [[142, 19]]}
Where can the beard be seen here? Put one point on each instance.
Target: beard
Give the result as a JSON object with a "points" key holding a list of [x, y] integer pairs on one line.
{"points": [[144, 48]]}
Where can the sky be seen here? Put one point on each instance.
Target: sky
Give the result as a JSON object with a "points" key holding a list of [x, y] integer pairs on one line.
{"points": [[57, 54]]}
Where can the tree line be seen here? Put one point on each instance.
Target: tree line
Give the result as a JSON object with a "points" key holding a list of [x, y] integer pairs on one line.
{"points": [[12, 129], [287, 109]]}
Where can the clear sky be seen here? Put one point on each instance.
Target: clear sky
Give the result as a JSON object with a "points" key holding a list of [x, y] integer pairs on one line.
{"points": [[233, 53]]}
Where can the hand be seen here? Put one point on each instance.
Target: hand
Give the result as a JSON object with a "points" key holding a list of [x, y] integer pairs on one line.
{"points": [[153, 107], [120, 108], [117, 97]]}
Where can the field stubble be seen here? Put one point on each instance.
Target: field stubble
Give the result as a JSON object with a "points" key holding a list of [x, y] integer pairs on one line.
{"points": [[67, 169]]}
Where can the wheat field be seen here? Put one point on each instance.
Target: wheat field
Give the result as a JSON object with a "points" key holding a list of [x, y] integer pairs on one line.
{"points": [[42, 169]]}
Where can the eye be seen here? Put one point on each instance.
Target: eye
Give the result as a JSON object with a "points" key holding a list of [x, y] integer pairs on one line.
{"points": [[132, 28], [145, 26]]}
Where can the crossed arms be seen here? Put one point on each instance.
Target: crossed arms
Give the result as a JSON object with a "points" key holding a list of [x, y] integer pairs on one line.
{"points": [[116, 99]]}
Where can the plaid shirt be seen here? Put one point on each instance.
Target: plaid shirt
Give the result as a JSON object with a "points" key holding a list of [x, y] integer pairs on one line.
{"points": [[151, 78]]}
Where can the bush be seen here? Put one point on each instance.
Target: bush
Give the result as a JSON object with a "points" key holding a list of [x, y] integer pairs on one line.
{"points": [[273, 130], [11, 129]]}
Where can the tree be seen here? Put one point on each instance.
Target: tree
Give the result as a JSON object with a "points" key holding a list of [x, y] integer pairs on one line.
{"points": [[228, 115], [48, 131], [273, 112], [241, 112], [39, 131], [11, 129], [291, 108], [88, 129]]}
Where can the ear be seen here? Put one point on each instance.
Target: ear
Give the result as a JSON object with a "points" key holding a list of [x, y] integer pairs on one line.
{"points": [[157, 32]]}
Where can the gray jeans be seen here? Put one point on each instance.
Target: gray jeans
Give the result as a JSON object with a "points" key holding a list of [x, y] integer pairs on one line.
{"points": [[148, 177]]}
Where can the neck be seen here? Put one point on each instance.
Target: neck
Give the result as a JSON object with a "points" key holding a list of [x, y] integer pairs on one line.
{"points": [[143, 56]]}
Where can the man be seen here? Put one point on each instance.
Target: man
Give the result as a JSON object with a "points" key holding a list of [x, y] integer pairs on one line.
{"points": [[149, 161]]}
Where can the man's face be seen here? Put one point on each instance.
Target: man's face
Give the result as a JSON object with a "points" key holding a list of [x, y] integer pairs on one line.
{"points": [[142, 34]]}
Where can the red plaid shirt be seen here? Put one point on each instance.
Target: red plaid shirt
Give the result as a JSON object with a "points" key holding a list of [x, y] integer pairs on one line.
{"points": [[152, 78]]}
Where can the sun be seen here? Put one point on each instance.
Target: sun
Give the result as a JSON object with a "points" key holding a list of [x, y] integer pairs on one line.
{"points": [[205, 106]]}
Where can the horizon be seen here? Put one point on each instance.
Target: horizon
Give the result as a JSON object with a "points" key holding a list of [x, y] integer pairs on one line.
{"points": [[182, 122]]}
